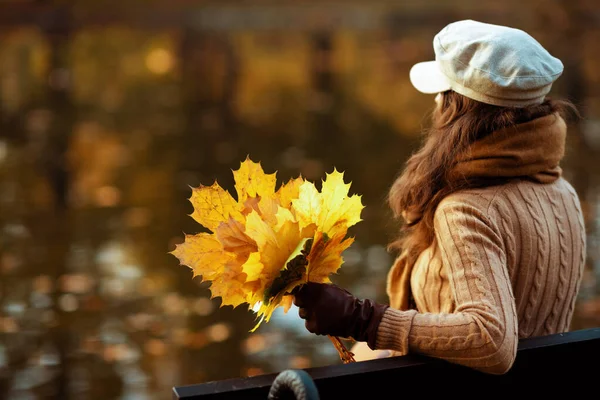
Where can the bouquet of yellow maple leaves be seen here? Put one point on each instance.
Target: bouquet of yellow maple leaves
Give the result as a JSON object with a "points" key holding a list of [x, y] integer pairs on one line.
{"points": [[268, 241]]}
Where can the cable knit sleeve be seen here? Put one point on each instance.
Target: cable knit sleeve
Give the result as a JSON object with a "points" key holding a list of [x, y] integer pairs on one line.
{"points": [[482, 331]]}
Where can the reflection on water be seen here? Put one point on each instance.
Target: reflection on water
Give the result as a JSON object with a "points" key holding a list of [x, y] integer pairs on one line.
{"points": [[105, 126]]}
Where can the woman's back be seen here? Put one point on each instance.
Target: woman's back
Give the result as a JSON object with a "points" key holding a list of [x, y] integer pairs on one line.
{"points": [[542, 232]]}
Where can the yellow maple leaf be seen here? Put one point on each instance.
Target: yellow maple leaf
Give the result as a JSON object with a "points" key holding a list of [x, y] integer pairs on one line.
{"points": [[230, 285], [234, 240], [331, 209], [203, 253], [267, 242], [347, 215], [337, 209], [251, 181], [213, 205], [267, 207], [307, 207], [325, 257], [275, 245], [250, 204], [288, 192]]}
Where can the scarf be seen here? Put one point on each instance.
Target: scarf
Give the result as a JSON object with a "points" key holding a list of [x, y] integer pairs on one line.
{"points": [[531, 150]]}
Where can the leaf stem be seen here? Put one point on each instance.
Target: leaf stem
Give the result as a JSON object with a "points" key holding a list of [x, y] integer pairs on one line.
{"points": [[345, 355]]}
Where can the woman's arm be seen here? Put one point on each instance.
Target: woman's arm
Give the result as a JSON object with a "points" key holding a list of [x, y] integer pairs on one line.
{"points": [[482, 332]]}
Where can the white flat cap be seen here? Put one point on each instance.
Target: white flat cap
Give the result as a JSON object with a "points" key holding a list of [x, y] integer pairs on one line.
{"points": [[489, 63]]}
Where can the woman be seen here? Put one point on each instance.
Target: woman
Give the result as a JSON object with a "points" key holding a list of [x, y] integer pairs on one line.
{"points": [[493, 243]]}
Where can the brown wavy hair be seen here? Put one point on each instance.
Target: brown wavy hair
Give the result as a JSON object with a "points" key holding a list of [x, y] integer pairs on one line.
{"points": [[457, 122]]}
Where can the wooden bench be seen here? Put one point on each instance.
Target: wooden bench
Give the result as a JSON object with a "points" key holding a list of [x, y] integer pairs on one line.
{"points": [[544, 365]]}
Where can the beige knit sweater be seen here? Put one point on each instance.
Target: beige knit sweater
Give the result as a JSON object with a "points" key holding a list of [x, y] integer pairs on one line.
{"points": [[506, 263]]}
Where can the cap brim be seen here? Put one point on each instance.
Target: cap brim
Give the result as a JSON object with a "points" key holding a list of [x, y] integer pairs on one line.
{"points": [[426, 77]]}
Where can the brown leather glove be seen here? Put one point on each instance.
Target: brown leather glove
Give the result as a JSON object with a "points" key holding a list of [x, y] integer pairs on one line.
{"points": [[331, 310]]}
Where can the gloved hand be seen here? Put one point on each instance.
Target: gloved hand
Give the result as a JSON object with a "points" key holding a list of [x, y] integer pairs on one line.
{"points": [[331, 310]]}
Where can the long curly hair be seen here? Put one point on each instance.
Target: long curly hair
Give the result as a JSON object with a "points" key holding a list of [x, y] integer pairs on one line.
{"points": [[457, 122]]}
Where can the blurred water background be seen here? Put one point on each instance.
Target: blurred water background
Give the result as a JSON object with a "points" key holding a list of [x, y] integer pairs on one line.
{"points": [[110, 111]]}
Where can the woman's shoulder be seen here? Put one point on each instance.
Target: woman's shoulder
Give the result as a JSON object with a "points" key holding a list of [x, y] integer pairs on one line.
{"points": [[478, 198], [486, 199]]}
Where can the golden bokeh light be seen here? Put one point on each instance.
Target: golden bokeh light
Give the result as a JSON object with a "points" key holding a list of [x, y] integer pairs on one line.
{"points": [[218, 332], [196, 340], [160, 61], [300, 362], [203, 306], [155, 347], [107, 196], [68, 302], [254, 344], [8, 325], [42, 284]]}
